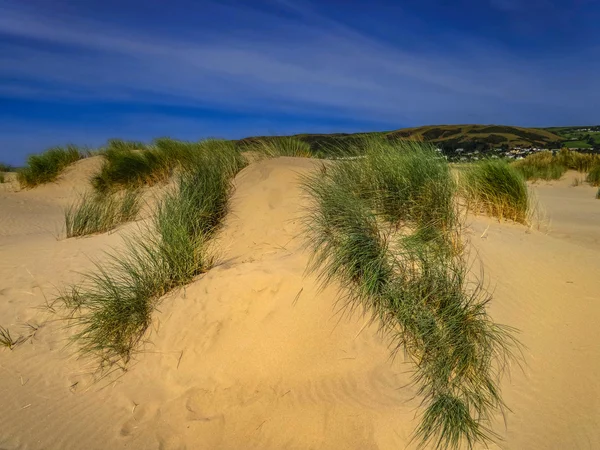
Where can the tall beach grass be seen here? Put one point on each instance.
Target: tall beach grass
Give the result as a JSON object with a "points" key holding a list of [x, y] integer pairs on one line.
{"points": [[498, 189], [548, 166], [386, 228], [47, 166], [98, 213], [273, 147], [112, 308], [593, 176], [133, 164]]}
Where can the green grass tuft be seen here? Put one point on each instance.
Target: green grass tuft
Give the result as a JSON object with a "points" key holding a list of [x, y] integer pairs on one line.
{"points": [[546, 166], [47, 166], [541, 166], [131, 165], [411, 183], [593, 176], [98, 213], [498, 189], [415, 288], [6, 168], [274, 147], [113, 306], [2, 179]]}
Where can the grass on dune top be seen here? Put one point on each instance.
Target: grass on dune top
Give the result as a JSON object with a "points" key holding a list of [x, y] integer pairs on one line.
{"points": [[112, 308], [496, 188], [134, 164], [386, 228], [47, 166]]}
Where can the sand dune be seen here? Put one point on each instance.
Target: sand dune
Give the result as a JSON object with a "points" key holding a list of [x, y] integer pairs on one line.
{"points": [[254, 355]]}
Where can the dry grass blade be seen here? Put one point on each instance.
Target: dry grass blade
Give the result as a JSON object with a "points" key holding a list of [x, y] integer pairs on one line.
{"points": [[7, 341]]}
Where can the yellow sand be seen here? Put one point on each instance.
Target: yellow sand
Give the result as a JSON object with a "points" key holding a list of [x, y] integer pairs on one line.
{"points": [[252, 355]]}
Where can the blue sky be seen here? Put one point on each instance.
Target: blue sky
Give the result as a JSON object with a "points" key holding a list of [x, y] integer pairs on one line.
{"points": [[82, 72]]}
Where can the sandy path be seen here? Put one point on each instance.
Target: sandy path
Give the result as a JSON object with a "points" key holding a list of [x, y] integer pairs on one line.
{"points": [[252, 355]]}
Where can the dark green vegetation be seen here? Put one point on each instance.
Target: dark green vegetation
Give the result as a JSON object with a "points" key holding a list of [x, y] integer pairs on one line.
{"points": [[386, 227], [6, 167], [579, 137], [134, 164], [496, 188], [2, 179], [112, 307], [47, 166], [98, 213]]}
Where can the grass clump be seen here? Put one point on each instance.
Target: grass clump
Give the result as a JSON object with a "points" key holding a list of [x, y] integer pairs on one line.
{"points": [[47, 166], [541, 166], [6, 167], [410, 183], [593, 176], [498, 189], [582, 162], [382, 234], [97, 213], [548, 166], [281, 146], [2, 179], [113, 306], [132, 164], [7, 341]]}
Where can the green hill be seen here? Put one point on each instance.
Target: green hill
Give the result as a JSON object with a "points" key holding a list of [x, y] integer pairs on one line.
{"points": [[584, 136], [482, 138]]}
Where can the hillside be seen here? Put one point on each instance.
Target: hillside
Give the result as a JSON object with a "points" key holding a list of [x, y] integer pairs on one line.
{"points": [[464, 136], [585, 136], [448, 137]]}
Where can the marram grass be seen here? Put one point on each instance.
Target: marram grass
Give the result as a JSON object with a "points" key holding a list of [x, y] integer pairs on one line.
{"points": [[398, 267], [112, 308], [133, 164], [98, 213], [548, 166], [47, 166], [281, 146], [593, 176], [498, 189]]}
